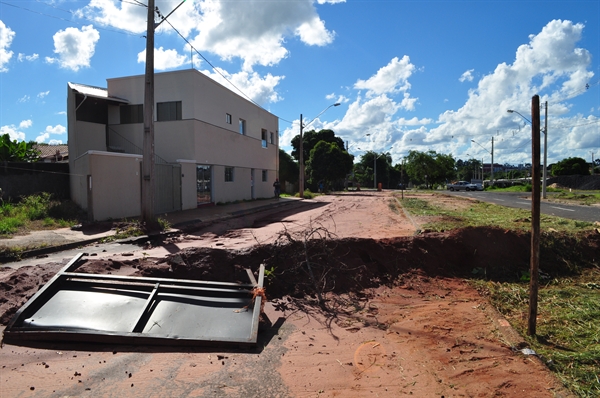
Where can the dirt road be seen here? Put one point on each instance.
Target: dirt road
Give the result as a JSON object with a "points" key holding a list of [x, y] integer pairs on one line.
{"points": [[424, 333]]}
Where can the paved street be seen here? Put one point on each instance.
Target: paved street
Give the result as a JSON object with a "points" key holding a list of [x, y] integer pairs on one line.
{"points": [[523, 201]]}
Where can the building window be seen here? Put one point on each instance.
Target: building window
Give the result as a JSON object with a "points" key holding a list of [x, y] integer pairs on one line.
{"points": [[272, 139], [132, 114], [263, 137], [265, 176], [166, 111], [228, 174], [228, 118], [242, 127]]}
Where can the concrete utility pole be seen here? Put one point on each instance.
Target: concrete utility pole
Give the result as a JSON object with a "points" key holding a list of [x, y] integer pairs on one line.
{"points": [[535, 214], [148, 146], [492, 176]]}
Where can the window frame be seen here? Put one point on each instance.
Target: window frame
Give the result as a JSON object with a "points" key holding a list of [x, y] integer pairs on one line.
{"points": [[265, 175], [173, 112], [228, 118], [263, 138], [242, 127], [229, 174]]}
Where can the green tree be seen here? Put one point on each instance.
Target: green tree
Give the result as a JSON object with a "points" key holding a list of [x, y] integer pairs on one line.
{"points": [[13, 151], [430, 168], [310, 139], [383, 161], [328, 163], [571, 166], [288, 168]]}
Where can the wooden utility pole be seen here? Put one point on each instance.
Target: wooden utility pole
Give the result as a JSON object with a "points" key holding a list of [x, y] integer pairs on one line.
{"points": [[148, 146], [535, 214]]}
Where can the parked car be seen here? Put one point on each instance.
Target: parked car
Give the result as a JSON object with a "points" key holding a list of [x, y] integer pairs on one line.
{"points": [[467, 186]]}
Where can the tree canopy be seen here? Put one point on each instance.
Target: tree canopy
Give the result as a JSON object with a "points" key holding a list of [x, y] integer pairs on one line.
{"points": [[13, 151], [430, 168], [571, 166], [288, 169], [328, 163], [310, 139]]}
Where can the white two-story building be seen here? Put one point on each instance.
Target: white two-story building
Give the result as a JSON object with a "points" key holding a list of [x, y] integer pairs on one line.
{"points": [[211, 145]]}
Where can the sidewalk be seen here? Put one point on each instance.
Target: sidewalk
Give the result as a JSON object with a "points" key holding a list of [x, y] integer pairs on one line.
{"points": [[49, 241]]}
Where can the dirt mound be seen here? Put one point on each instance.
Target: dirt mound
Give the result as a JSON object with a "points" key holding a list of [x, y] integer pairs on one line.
{"points": [[339, 266]]}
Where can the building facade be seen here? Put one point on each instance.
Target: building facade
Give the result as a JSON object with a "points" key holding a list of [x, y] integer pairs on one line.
{"points": [[211, 145]]}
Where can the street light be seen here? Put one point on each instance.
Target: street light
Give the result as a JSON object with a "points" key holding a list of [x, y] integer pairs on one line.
{"points": [[302, 126], [492, 165], [545, 131]]}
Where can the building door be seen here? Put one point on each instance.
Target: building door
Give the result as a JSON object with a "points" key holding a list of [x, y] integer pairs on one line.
{"points": [[203, 184]]}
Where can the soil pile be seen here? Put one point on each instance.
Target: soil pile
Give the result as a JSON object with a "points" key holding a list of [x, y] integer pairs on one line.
{"points": [[338, 266]]}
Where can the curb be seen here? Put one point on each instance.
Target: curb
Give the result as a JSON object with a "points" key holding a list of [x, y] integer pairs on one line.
{"points": [[177, 229]]}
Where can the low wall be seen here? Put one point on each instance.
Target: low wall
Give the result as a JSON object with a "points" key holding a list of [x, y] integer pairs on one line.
{"points": [[21, 179]]}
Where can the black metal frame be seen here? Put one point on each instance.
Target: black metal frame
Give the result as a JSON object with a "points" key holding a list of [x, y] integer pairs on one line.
{"points": [[185, 311]]}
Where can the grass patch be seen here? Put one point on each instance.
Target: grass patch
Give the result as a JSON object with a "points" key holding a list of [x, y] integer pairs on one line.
{"points": [[587, 199], [568, 331], [37, 212], [481, 214]]}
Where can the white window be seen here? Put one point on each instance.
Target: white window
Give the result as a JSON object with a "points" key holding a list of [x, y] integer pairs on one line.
{"points": [[228, 118], [263, 137], [242, 127]]}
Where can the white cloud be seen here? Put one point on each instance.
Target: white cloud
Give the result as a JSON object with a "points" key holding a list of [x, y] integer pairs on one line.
{"points": [[75, 47], [50, 130], [55, 142], [25, 124], [390, 79], [550, 65], [22, 57], [124, 15], [164, 59], [260, 89], [467, 76], [14, 132], [43, 94], [24, 99], [6, 38]]}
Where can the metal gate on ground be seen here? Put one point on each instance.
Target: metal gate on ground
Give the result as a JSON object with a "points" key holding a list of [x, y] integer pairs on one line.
{"points": [[167, 187]]}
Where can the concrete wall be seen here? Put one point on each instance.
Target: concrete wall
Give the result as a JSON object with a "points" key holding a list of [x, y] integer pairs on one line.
{"points": [[116, 185], [21, 179]]}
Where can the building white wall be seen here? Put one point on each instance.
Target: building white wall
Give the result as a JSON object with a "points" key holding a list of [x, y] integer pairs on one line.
{"points": [[203, 136]]}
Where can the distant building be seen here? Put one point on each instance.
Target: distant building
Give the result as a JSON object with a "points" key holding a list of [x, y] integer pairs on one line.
{"points": [[211, 145]]}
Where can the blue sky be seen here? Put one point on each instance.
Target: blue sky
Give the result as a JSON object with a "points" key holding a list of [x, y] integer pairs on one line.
{"points": [[410, 75]]}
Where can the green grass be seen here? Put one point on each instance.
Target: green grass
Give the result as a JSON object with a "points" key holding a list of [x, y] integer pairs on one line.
{"points": [[588, 198], [478, 214], [568, 331], [37, 212], [568, 324]]}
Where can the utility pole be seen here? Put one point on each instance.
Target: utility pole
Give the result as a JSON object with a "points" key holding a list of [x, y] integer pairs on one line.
{"points": [[544, 176], [301, 157], [492, 176], [535, 214], [148, 145]]}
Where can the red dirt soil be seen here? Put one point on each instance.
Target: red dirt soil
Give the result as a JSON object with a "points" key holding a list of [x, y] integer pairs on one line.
{"points": [[399, 318]]}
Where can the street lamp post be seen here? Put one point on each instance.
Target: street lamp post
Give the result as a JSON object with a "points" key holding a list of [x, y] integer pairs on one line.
{"points": [[492, 165], [301, 148], [545, 131]]}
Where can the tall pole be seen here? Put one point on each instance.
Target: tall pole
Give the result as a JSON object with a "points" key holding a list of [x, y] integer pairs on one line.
{"points": [[148, 145], [535, 214], [545, 152], [492, 153], [301, 157], [375, 172]]}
